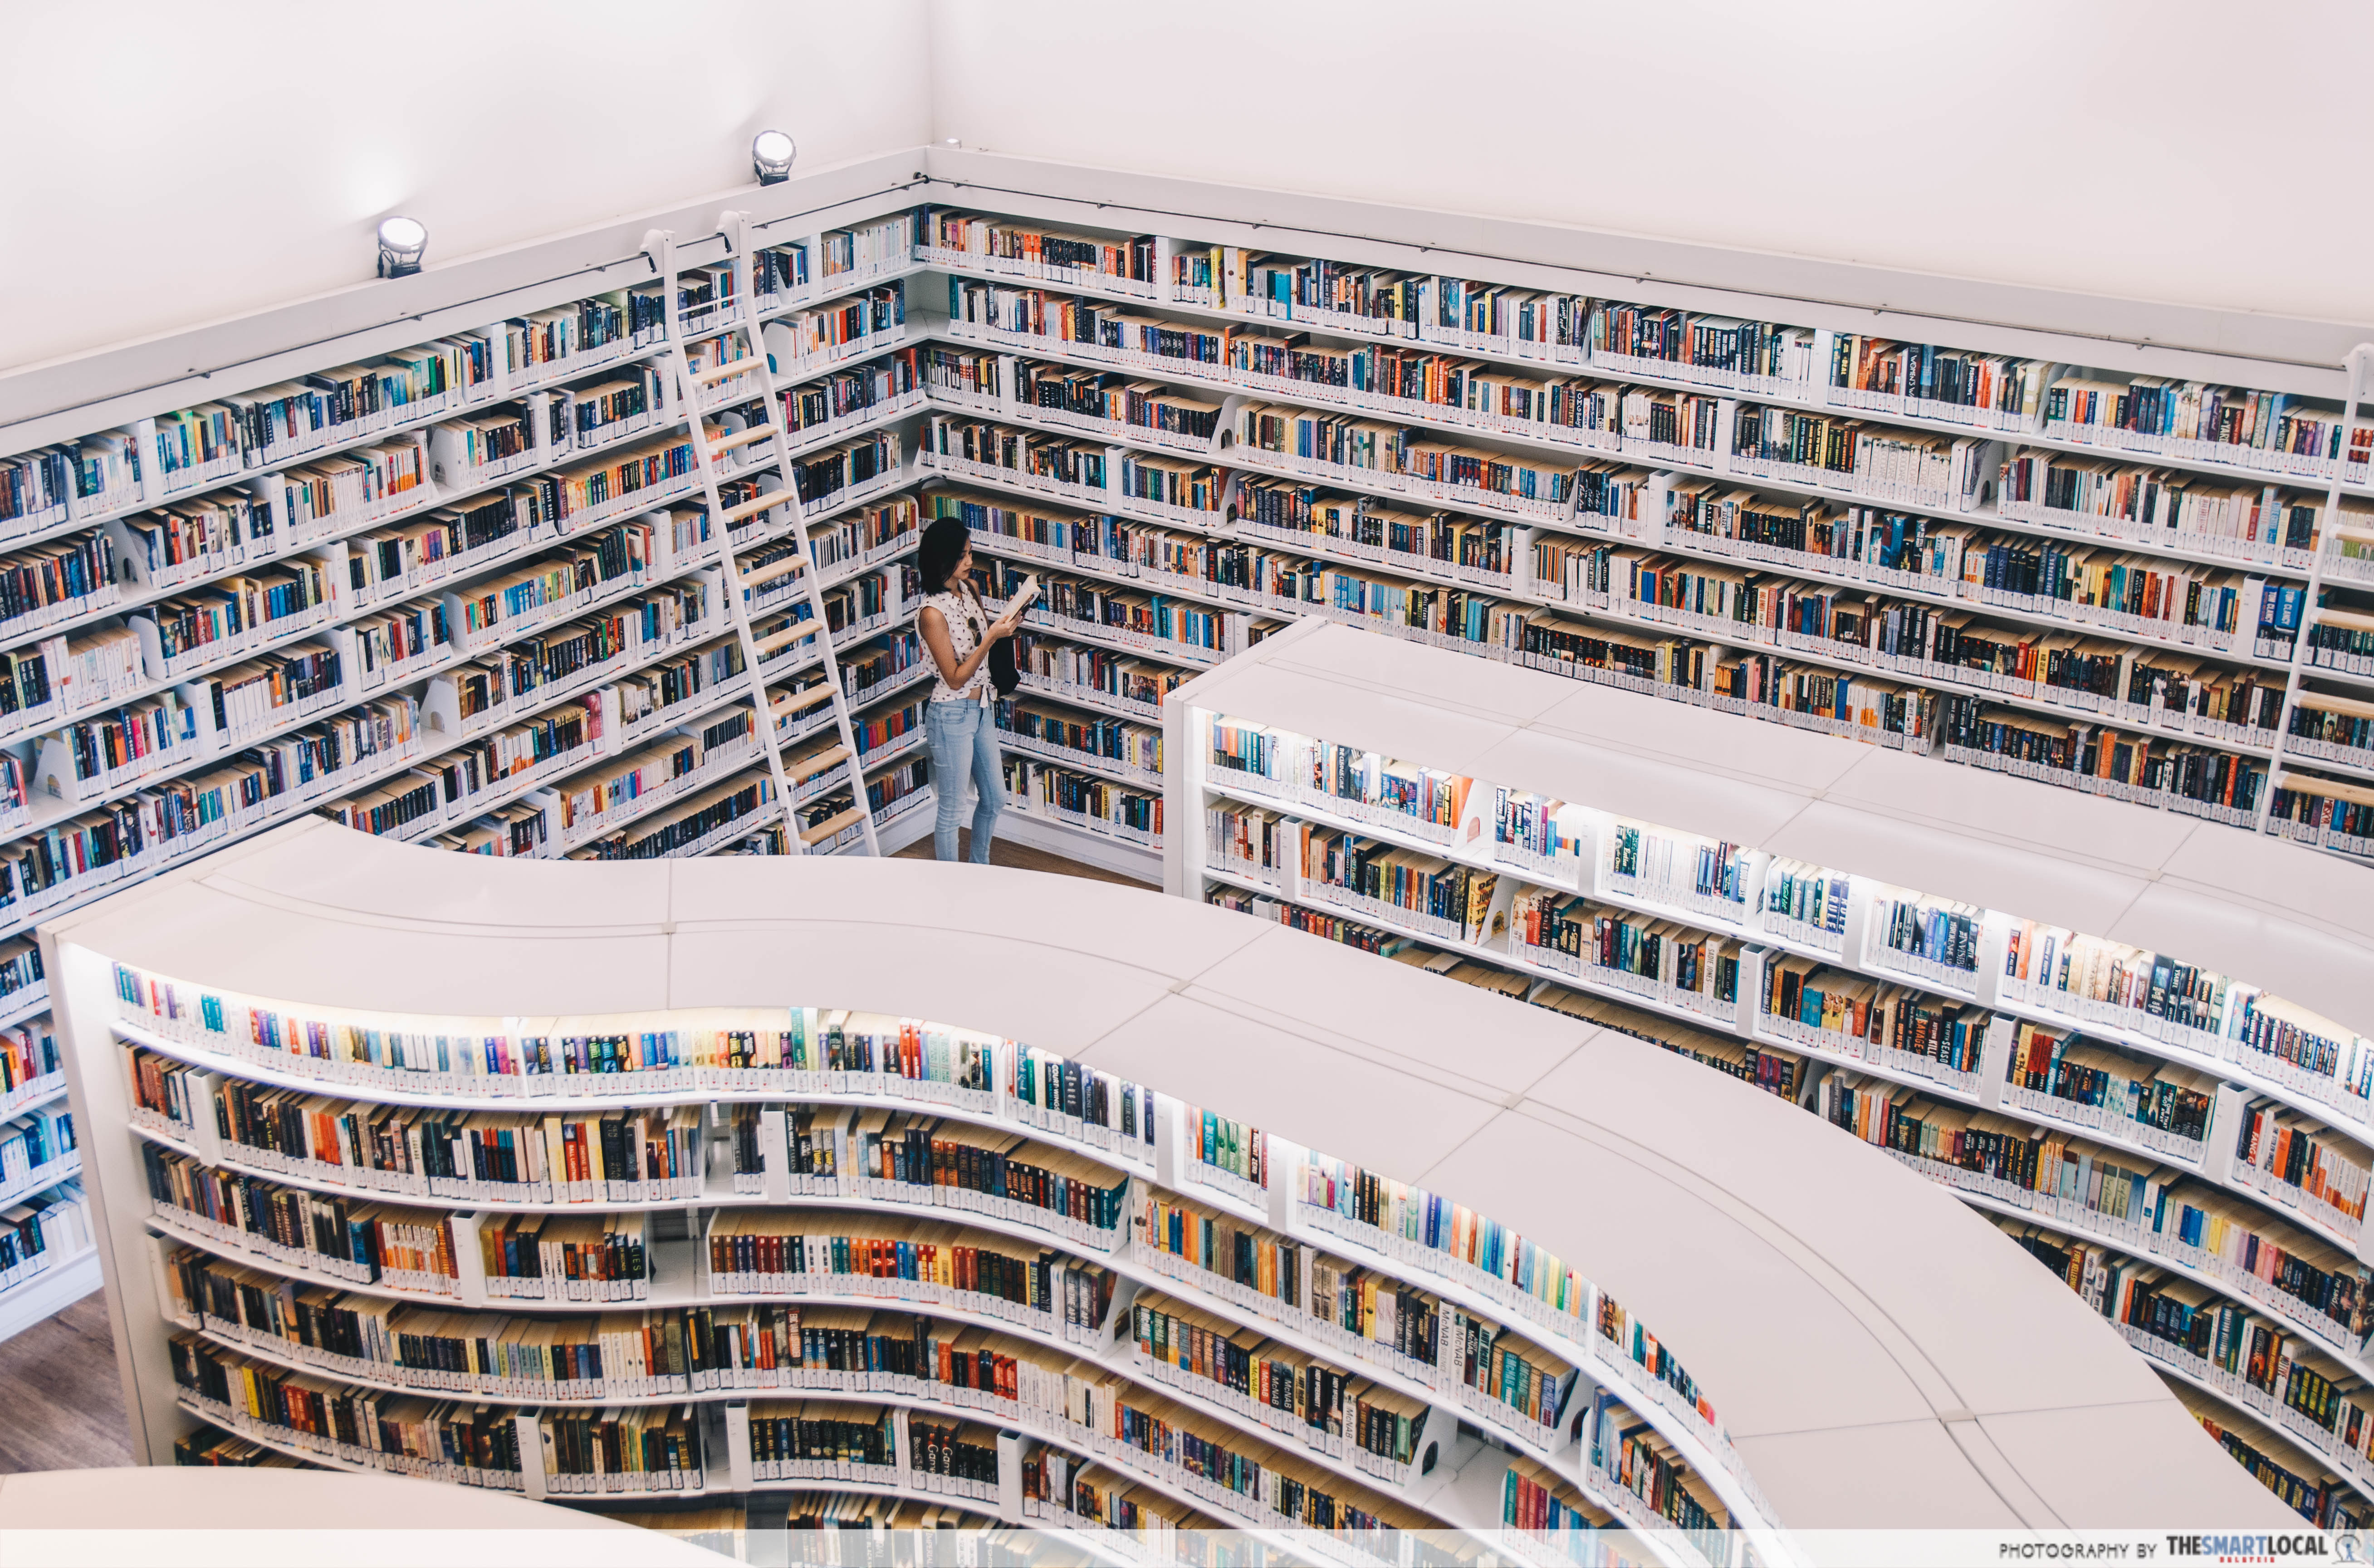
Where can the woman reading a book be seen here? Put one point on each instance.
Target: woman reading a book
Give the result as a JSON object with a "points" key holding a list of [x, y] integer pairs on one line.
{"points": [[958, 724]]}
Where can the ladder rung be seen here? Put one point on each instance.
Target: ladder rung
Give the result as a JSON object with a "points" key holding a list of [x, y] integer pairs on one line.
{"points": [[787, 637], [767, 502], [800, 701], [789, 564], [743, 439], [816, 764], [2330, 788], [743, 366], [827, 828]]}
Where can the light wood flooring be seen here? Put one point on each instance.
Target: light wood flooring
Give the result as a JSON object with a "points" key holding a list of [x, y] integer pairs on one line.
{"points": [[1004, 852], [60, 1406]]}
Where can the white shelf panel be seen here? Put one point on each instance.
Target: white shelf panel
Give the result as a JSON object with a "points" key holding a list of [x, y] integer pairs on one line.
{"points": [[64, 1281]]}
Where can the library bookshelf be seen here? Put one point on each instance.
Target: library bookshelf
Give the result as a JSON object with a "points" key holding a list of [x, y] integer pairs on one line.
{"points": [[1103, 1024], [48, 1254], [601, 548], [2143, 1046]]}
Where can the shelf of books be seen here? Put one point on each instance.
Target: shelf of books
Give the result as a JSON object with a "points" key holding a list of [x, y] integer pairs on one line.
{"points": [[2186, 1143], [548, 588], [2025, 565], [647, 1248], [216, 616], [49, 1256]]}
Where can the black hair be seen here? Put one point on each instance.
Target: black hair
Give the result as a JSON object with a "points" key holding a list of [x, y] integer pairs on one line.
{"points": [[943, 546]]}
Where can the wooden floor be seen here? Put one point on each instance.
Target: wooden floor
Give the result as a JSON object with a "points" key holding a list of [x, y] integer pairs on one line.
{"points": [[60, 1406], [1003, 852]]}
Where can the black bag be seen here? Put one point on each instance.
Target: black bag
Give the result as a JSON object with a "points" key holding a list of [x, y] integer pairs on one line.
{"points": [[1002, 672]]}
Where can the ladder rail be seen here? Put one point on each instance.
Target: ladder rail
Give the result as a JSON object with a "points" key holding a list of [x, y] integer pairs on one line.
{"points": [[660, 244], [735, 227], [2355, 392]]}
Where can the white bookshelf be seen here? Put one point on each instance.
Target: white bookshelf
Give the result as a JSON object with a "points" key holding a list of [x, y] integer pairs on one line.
{"points": [[1062, 801], [66, 1269], [2256, 353], [1877, 821], [1722, 1192], [782, 327]]}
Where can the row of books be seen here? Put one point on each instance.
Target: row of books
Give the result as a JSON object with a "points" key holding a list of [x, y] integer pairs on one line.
{"points": [[2180, 690], [2244, 1244], [790, 1052], [1739, 604], [192, 449], [66, 580], [1510, 1381], [155, 823], [2211, 1344], [1932, 942], [640, 1156], [621, 1449], [2120, 591], [1820, 451], [2159, 773], [1495, 1366], [2058, 1074], [2074, 676], [31, 1066], [2323, 1499], [186, 637], [37, 1146], [119, 752], [2190, 420], [44, 1230], [2297, 1281], [2062, 979]]}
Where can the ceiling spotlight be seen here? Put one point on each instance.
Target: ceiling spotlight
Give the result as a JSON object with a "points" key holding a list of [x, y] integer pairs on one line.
{"points": [[770, 157], [401, 242]]}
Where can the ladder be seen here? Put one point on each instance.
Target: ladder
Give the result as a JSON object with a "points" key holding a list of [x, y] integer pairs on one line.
{"points": [[773, 516], [2355, 367]]}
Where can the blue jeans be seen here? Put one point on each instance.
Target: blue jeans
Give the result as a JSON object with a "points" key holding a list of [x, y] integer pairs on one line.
{"points": [[963, 738]]}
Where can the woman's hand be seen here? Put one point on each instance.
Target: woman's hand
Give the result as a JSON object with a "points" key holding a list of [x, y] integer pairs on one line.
{"points": [[1007, 624]]}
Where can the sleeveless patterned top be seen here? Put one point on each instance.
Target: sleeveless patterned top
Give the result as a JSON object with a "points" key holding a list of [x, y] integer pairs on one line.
{"points": [[966, 621]]}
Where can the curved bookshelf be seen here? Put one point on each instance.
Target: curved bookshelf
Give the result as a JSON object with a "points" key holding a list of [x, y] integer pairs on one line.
{"points": [[1132, 1260], [816, 928], [1250, 767]]}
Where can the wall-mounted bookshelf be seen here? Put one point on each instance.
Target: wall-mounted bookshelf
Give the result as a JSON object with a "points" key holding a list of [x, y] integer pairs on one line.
{"points": [[2195, 1141], [645, 1248], [2005, 551], [49, 1253]]}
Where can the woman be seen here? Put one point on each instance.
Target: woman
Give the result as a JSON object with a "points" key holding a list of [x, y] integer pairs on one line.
{"points": [[958, 724]]}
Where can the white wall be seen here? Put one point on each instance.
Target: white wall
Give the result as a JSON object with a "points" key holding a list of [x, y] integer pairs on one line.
{"points": [[2183, 150], [201, 161], [163, 164]]}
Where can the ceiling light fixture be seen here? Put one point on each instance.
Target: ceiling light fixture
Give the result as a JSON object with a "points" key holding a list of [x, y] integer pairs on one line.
{"points": [[401, 242], [771, 152]]}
